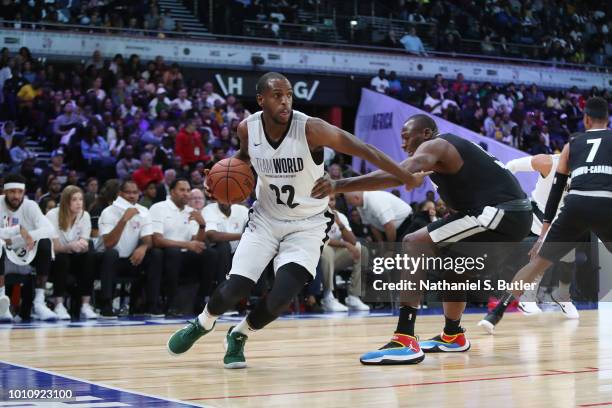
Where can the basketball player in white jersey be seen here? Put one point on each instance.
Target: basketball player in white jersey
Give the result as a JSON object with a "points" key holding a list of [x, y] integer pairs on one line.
{"points": [[25, 239], [285, 147], [546, 166]]}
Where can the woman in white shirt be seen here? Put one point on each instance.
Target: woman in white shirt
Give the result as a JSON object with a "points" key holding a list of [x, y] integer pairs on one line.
{"points": [[72, 253]]}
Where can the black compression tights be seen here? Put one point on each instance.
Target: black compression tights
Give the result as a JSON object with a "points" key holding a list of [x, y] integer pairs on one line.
{"points": [[289, 281]]}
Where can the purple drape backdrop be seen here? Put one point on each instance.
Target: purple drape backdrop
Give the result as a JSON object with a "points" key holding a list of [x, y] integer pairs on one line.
{"points": [[379, 122]]}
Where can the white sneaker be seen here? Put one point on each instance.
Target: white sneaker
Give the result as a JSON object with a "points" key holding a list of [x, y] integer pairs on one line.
{"points": [[61, 312], [529, 308], [5, 302], [354, 303], [87, 312], [6, 316], [40, 311], [569, 310], [331, 304]]}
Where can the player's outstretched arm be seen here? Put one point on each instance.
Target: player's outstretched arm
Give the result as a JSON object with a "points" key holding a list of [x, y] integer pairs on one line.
{"points": [[320, 133], [421, 164]]}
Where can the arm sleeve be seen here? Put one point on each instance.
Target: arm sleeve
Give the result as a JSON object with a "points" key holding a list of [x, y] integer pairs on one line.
{"points": [[552, 204], [520, 164]]}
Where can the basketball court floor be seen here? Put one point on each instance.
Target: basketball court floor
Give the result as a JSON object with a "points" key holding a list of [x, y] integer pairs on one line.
{"points": [[312, 361]]}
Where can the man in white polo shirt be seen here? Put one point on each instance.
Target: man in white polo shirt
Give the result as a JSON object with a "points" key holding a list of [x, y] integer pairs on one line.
{"points": [[127, 233], [224, 227], [25, 240], [180, 232], [383, 211]]}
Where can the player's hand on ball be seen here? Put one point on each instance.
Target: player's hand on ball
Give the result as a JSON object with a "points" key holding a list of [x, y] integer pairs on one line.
{"points": [[323, 187], [417, 179]]}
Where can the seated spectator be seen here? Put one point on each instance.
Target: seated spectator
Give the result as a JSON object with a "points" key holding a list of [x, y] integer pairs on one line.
{"points": [[422, 218], [154, 136], [127, 165], [181, 102], [56, 168], [51, 204], [72, 254], [180, 232], [212, 95], [54, 192], [224, 227], [27, 241], [385, 212], [21, 152], [91, 191], [10, 136], [342, 250], [380, 83], [149, 195], [147, 172], [412, 43], [126, 232], [197, 201], [395, 86], [189, 145], [95, 150], [108, 194], [161, 102], [65, 124]]}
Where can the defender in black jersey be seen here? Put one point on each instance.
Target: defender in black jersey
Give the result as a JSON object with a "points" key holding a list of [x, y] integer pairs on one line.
{"points": [[490, 207], [587, 159]]}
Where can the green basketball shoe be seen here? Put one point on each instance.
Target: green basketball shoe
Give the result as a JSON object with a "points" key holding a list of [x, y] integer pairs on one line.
{"points": [[234, 350], [183, 339]]}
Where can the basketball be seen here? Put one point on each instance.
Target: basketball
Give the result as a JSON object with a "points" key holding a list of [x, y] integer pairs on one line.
{"points": [[230, 181]]}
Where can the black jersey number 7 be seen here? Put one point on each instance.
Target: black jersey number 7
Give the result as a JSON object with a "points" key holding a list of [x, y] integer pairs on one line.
{"points": [[286, 189]]}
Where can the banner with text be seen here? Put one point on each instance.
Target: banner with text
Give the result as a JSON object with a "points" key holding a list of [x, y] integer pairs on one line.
{"points": [[379, 122]]}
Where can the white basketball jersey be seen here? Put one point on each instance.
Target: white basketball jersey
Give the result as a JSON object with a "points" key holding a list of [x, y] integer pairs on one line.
{"points": [[544, 184], [285, 174]]}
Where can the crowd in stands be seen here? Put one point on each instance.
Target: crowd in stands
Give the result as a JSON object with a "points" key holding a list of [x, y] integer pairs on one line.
{"points": [[525, 116], [132, 17]]}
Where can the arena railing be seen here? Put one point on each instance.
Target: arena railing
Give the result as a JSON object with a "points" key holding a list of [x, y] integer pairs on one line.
{"points": [[208, 37]]}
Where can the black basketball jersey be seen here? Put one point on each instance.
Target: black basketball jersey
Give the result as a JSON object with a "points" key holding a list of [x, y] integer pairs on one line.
{"points": [[482, 180], [590, 161]]}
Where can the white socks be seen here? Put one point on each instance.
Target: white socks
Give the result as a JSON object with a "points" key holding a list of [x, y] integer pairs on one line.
{"points": [[40, 295], [207, 321], [2, 292], [244, 328]]}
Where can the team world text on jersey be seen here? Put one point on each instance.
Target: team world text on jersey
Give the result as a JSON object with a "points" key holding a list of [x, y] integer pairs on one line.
{"points": [[286, 170]]}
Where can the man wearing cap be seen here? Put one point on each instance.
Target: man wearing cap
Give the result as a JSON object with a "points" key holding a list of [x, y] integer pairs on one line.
{"points": [[25, 240], [159, 103], [56, 168]]}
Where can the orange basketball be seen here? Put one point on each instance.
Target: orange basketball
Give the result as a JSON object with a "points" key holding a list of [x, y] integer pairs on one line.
{"points": [[230, 181]]}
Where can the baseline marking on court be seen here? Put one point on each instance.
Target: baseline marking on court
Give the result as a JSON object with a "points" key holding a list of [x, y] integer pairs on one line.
{"points": [[507, 377], [22, 377]]}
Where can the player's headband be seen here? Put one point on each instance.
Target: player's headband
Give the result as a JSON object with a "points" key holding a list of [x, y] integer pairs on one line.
{"points": [[17, 186]]}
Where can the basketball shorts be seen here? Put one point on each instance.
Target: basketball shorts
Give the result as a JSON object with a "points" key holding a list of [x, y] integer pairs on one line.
{"points": [[488, 224], [266, 238], [579, 215]]}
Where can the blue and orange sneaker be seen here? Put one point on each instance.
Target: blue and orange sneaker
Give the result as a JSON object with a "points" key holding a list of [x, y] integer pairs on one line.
{"points": [[445, 343], [402, 349]]}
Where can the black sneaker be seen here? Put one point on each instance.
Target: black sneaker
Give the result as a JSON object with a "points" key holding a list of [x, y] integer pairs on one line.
{"points": [[490, 321], [107, 313]]}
